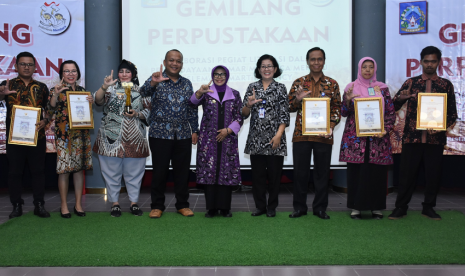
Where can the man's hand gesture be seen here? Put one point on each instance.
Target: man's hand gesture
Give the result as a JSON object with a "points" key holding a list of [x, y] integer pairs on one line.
{"points": [[157, 77], [5, 89], [300, 93], [406, 94]]}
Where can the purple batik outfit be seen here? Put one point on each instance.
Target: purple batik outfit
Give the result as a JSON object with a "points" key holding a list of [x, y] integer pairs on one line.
{"points": [[223, 168], [353, 147]]}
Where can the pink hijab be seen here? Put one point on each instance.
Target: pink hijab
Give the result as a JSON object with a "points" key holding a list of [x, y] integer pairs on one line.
{"points": [[361, 84]]}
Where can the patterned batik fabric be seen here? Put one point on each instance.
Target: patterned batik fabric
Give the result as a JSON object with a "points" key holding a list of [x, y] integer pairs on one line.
{"points": [[353, 147], [35, 94], [210, 170], [73, 145], [262, 130], [439, 85], [324, 87], [172, 113], [120, 136]]}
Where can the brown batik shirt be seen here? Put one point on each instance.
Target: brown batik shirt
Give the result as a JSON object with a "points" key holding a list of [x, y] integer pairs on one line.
{"points": [[35, 94], [321, 88]]}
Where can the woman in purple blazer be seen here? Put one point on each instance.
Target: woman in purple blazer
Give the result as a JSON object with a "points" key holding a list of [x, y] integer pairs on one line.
{"points": [[217, 150]]}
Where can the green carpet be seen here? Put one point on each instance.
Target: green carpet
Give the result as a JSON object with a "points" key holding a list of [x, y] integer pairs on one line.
{"points": [[173, 240]]}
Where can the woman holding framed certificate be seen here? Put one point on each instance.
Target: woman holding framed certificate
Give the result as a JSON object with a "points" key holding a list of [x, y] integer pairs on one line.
{"points": [[73, 146], [367, 155], [121, 142]]}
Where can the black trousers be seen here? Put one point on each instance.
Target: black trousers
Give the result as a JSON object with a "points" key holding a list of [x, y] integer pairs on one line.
{"points": [[35, 157], [302, 152], [413, 156], [218, 197], [266, 167], [179, 153]]}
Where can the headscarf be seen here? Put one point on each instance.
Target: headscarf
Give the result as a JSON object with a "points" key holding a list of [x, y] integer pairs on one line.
{"points": [[220, 88], [361, 84], [126, 64]]}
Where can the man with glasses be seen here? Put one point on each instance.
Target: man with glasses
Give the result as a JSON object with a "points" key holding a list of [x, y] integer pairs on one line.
{"points": [[24, 90], [313, 85], [173, 128]]}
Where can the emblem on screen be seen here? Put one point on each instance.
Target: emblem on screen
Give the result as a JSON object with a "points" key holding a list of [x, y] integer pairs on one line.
{"points": [[53, 18], [154, 3], [413, 17]]}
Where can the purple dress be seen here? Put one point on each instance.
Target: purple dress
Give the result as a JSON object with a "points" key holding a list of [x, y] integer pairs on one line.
{"points": [[219, 164]]}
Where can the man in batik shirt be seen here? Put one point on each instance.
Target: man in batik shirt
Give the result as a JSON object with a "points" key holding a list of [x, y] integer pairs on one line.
{"points": [[422, 147]]}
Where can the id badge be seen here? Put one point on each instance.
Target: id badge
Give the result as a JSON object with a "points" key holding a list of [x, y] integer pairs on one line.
{"points": [[261, 113], [371, 91]]}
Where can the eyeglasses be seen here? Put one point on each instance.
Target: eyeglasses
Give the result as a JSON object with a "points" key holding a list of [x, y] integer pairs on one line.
{"points": [[267, 67], [24, 65], [219, 75], [67, 72]]}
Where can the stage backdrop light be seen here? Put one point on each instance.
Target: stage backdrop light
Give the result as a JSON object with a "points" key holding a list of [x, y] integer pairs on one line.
{"points": [[235, 33]]}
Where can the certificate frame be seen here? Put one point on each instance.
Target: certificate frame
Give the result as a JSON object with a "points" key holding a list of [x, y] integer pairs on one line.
{"points": [[379, 105], [326, 125], [421, 122], [73, 124], [11, 139]]}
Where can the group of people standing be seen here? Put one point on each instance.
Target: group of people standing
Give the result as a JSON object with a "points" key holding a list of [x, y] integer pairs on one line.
{"points": [[167, 103]]}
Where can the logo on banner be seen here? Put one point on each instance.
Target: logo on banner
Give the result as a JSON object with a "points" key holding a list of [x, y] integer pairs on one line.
{"points": [[412, 19], [154, 3], [53, 18]]}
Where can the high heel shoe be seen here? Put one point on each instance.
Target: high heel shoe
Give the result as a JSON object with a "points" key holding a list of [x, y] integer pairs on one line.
{"points": [[68, 215], [79, 214]]}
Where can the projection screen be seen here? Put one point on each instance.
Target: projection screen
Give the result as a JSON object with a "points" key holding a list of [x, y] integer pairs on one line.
{"points": [[235, 33]]}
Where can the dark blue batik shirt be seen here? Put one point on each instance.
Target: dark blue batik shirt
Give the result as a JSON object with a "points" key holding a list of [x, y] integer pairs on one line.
{"points": [[172, 115]]}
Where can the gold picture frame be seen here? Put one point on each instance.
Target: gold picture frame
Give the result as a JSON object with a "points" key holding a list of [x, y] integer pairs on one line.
{"points": [[75, 120], [21, 132], [315, 120], [369, 108], [431, 102]]}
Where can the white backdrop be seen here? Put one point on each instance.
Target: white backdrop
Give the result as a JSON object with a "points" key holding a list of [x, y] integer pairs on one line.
{"points": [[52, 31], [235, 33], [446, 30]]}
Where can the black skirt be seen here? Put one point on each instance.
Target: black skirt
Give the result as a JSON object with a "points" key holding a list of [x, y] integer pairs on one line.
{"points": [[366, 185]]}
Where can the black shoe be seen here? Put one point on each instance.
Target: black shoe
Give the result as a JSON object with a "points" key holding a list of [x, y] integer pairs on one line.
{"points": [[321, 214], [226, 213], [40, 211], [79, 214], [297, 214], [377, 216], [67, 215], [116, 211], [258, 212], [271, 213], [398, 213], [211, 213], [17, 210], [430, 213], [135, 210], [357, 216]]}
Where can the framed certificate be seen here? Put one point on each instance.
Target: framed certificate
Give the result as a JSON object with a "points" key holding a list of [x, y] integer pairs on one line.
{"points": [[315, 116], [23, 125], [369, 117], [432, 111], [79, 110]]}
